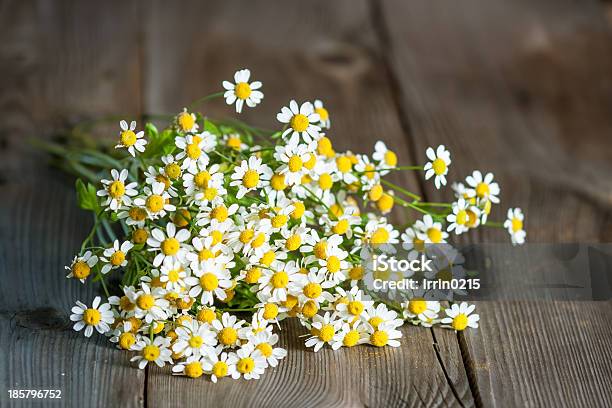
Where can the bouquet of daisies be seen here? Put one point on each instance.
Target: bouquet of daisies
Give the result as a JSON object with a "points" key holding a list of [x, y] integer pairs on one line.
{"points": [[208, 233]]}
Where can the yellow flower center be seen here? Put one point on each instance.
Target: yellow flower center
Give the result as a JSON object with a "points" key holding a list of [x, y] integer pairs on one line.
{"points": [[220, 369], [205, 254], [227, 336], [234, 142], [390, 158], [219, 213], [333, 264], [385, 203], [312, 290], [444, 275], [310, 163], [380, 236], [127, 340], [336, 210], [278, 182], [439, 166], [341, 227], [210, 193], [320, 250], [245, 365], [186, 121], [517, 224], [482, 190], [298, 210], [344, 164], [375, 192], [379, 338], [173, 275], [209, 281], [196, 342], [265, 349], [280, 280], [242, 90], [172, 170], [325, 181], [116, 189], [434, 235], [193, 151], [150, 352], [145, 301], [323, 113], [80, 270], [170, 246], [295, 163], [268, 258], [326, 333], [259, 240], [299, 122], [140, 236], [462, 217], [201, 179], [324, 147], [128, 138], [91, 317], [355, 307], [252, 275], [246, 236], [293, 242], [310, 309], [250, 178], [206, 315], [117, 258], [356, 273], [417, 306], [270, 311], [279, 220], [375, 322], [155, 203], [137, 213], [460, 322], [194, 369], [351, 338], [472, 218]]}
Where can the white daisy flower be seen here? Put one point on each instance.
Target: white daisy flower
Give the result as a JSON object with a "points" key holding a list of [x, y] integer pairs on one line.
{"points": [[242, 91], [319, 246], [250, 363], [80, 267], [324, 329], [293, 155], [438, 165], [343, 169], [514, 225], [483, 187], [335, 266], [211, 280], [375, 316], [354, 304], [429, 231], [302, 121], [219, 213], [459, 317], [194, 338], [115, 256], [131, 140], [312, 287], [192, 367], [150, 303], [186, 122], [134, 216], [173, 275], [227, 330], [319, 109], [426, 311], [98, 316], [123, 336], [384, 335], [219, 366], [156, 351], [368, 174], [153, 176], [264, 341], [350, 335], [293, 238], [194, 150], [386, 158], [170, 244], [277, 280], [462, 217], [204, 185], [250, 175], [233, 141], [156, 201], [116, 191]]}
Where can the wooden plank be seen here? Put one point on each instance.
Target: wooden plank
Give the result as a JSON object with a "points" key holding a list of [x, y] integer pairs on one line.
{"points": [[319, 50], [504, 85], [60, 63]]}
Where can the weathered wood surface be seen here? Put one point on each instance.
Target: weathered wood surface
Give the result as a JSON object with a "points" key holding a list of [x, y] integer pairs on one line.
{"points": [[520, 88]]}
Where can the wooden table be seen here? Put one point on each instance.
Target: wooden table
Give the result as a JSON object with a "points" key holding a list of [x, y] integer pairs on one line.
{"points": [[522, 88]]}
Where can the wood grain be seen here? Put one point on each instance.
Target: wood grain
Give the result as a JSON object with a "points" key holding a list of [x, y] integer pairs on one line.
{"points": [[60, 63], [299, 53], [505, 87]]}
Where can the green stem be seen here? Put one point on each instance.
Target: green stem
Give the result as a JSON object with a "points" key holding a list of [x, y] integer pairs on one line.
{"points": [[399, 168], [204, 99], [425, 204], [400, 189], [494, 224]]}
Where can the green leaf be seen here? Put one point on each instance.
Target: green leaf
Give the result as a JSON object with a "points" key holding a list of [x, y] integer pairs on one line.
{"points": [[86, 196], [151, 131], [211, 127]]}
